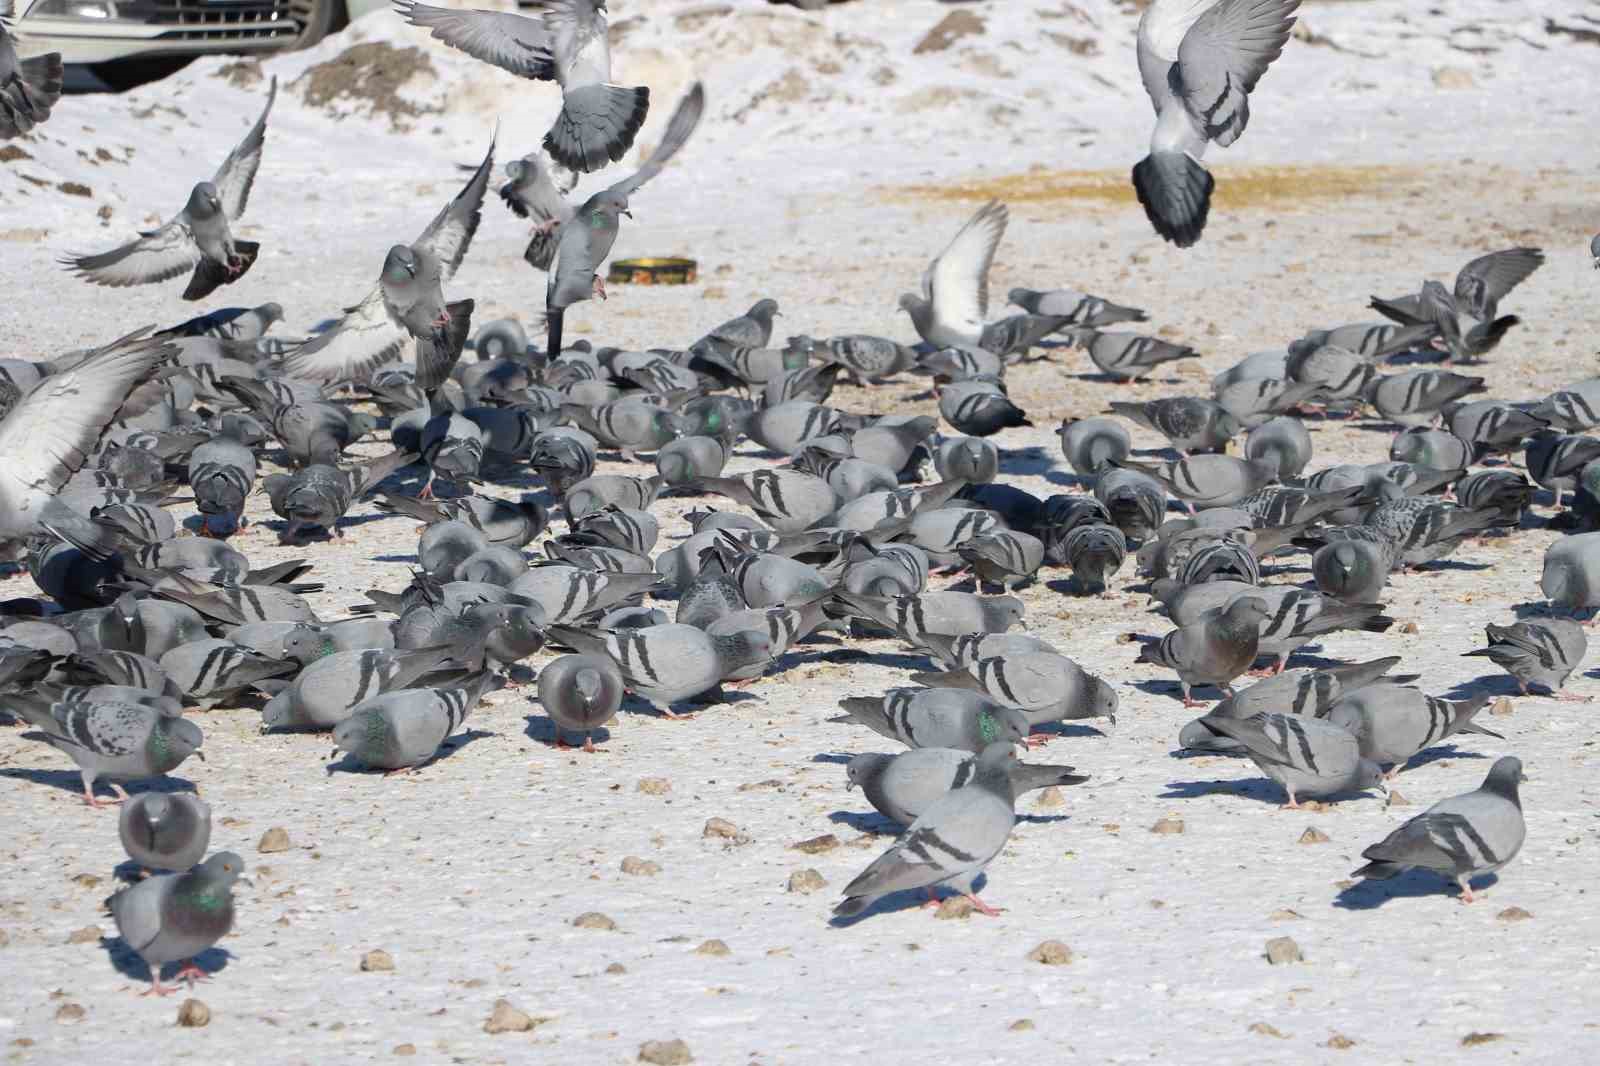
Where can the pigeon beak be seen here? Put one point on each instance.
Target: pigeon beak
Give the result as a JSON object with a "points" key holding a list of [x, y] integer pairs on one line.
{"points": [[198, 754], [247, 881], [1383, 787], [849, 786], [627, 212]]}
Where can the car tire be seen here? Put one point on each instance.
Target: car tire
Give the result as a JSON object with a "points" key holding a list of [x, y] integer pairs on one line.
{"points": [[123, 74], [318, 18]]}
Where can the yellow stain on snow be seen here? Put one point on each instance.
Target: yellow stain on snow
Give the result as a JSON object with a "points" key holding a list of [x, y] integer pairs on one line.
{"points": [[1237, 187]]}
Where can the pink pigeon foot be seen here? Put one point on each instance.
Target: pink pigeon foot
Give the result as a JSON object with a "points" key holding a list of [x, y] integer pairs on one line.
{"points": [[984, 908], [190, 973]]}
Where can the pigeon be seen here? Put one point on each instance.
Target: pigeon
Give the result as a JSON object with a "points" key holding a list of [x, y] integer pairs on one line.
{"points": [[1045, 686], [1305, 692], [979, 408], [1081, 308], [29, 88], [1307, 756], [214, 672], [174, 917], [513, 523], [1204, 481], [1540, 651], [1093, 551], [753, 329], [165, 830], [958, 835], [867, 360], [902, 786], [587, 236], [1340, 375], [199, 237], [121, 739], [936, 718], [221, 473], [666, 664], [1462, 837], [1283, 443], [1416, 397], [1556, 460], [408, 302], [1479, 288], [580, 693], [1135, 501], [1259, 400], [401, 730], [566, 594], [51, 432], [1571, 575], [1214, 650], [1438, 449], [323, 693], [954, 303], [1128, 356], [1594, 250], [1574, 408], [949, 614], [530, 191], [230, 323], [969, 459], [1394, 722], [1190, 423], [1199, 63], [1003, 558], [568, 43], [1505, 491], [788, 500], [320, 495]]}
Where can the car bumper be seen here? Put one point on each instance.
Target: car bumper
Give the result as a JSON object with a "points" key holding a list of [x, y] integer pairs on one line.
{"points": [[166, 27]]}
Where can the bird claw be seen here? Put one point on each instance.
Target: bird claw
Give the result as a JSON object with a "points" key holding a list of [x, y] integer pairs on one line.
{"points": [[190, 973]]}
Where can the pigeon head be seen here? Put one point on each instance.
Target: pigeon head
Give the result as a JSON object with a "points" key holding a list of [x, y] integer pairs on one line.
{"points": [[1250, 610], [174, 740], [762, 311], [204, 201], [1103, 699], [1003, 725], [1504, 777], [400, 265], [995, 760], [224, 867], [605, 207], [863, 768], [1369, 775], [517, 170], [911, 304], [270, 312], [155, 807]]}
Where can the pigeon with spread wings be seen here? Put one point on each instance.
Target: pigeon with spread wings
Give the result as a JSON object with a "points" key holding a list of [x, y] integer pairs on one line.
{"points": [[52, 430], [565, 41], [586, 238], [199, 237], [28, 87], [950, 312], [1200, 60], [407, 302], [1475, 302]]}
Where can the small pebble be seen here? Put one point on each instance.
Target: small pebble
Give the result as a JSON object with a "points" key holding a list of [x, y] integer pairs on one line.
{"points": [[505, 1018], [593, 920], [955, 907], [405, 1050], [616, 967], [1514, 914], [1396, 799], [1263, 1029], [89, 934], [713, 947], [817, 845], [1407, 628], [70, 1012], [641, 867], [806, 881], [86, 880], [722, 829], [1340, 1042], [377, 961], [1168, 826], [1475, 1039], [192, 1014], [1502, 706], [665, 1053], [1051, 953], [274, 839], [1313, 835], [1283, 949], [1021, 1025], [654, 786], [1284, 914], [1050, 797]]}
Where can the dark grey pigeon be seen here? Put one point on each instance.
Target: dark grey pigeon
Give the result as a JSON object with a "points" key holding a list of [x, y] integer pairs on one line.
{"points": [[1540, 651], [174, 917]]}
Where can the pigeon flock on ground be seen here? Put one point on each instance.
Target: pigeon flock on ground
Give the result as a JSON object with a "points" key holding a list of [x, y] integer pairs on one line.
{"points": [[842, 532]]}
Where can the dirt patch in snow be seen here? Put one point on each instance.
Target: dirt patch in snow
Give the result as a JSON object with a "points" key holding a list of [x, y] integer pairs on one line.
{"points": [[373, 74]]}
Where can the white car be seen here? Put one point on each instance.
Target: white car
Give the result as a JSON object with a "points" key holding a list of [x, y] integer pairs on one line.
{"points": [[130, 41]]}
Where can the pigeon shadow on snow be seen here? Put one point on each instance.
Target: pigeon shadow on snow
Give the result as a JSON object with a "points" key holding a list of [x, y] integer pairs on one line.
{"points": [[1368, 894], [1488, 684], [70, 781], [1027, 462], [542, 729], [910, 899], [870, 822], [1260, 789], [1438, 753], [127, 962], [349, 764]]}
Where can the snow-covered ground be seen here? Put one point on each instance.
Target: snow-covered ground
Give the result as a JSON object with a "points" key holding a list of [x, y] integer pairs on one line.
{"points": [[1392, 142]]}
